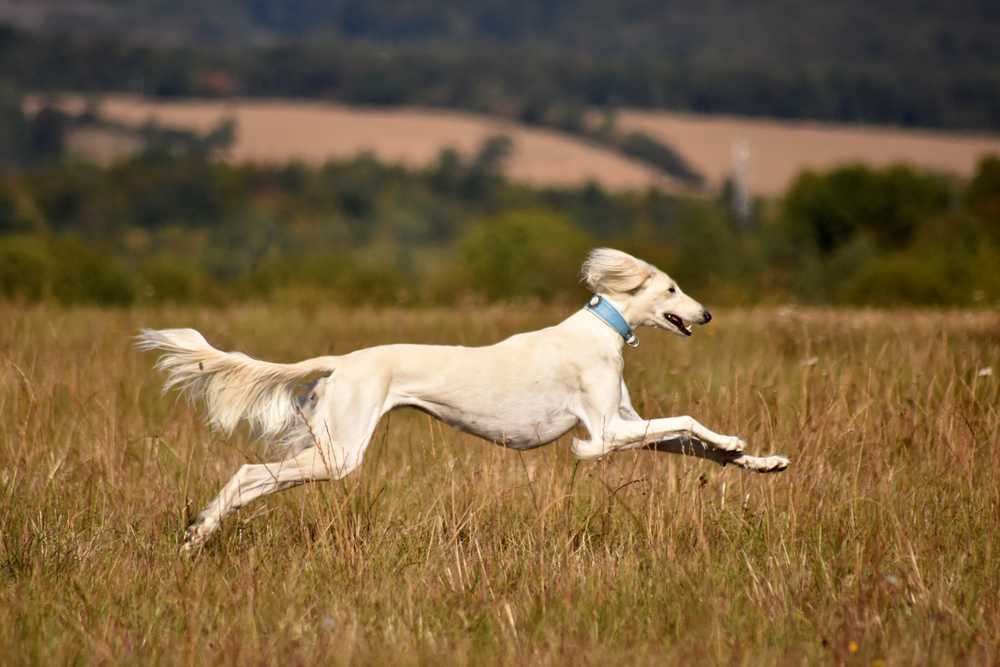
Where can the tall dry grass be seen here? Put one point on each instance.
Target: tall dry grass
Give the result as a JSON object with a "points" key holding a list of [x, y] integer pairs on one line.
{"points": [[880, 543]]}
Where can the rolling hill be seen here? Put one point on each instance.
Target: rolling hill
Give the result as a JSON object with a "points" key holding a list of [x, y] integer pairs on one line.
{"points": [[278, 131]]}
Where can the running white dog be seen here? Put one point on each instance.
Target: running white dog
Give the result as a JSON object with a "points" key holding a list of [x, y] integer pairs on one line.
{"points": [[522, 392]]}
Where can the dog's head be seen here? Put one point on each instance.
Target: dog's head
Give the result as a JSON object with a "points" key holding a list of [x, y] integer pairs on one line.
{"points": [[645, 295]]}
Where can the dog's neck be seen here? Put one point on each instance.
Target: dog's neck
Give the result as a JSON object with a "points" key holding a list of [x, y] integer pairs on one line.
{"points": [[620, 307], [610, 314], [599, 330]]}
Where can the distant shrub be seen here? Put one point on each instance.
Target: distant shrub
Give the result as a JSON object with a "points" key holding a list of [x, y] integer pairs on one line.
{"points": [[163, 280], [908, 279], [985, 184], [336, 277], [982, 196], [822, 211], [522, 254], [64, 269], [25, 267], [700, 237], [18, 211], [372, 282], [82, 274]]}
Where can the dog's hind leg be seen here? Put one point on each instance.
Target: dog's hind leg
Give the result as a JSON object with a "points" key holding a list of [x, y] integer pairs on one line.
{"points": [[252, 481], [355, 410]]}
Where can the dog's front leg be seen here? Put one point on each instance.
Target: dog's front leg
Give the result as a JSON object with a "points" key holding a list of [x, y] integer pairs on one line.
{"points": [[684, 435], [677, 435], [626, 434], [607, 413], [619, 434], [625, 409]]}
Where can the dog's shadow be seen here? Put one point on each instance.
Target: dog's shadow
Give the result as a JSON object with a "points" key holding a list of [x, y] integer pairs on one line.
{"points": [[694, 447]]}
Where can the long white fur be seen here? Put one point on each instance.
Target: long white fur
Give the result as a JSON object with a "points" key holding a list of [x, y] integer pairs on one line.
{"points": [[610, 271], [522, 392], [232, 385]]}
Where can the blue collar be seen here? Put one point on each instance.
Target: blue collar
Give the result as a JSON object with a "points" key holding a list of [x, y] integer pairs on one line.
{"points": [[607, 313]]}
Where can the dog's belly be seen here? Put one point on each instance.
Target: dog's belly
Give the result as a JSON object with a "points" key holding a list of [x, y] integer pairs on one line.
{"points": [[532, 428], [523, 436]]}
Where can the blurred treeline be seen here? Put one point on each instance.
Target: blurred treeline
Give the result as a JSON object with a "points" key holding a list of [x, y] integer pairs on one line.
{"points": [[929, 64], [172, 225]]}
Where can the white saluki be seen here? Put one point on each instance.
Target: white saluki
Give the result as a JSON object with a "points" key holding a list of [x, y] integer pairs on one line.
{"points": [[522, 392]]}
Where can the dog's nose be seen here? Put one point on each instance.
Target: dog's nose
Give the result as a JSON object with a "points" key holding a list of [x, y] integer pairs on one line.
{"points": [[706, 317]]}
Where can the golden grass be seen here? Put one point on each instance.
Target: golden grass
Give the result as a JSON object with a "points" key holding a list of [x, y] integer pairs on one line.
{"points": [[880, 543]]}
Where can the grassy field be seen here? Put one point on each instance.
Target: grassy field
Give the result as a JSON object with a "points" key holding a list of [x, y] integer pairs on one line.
{"points": [[879, 544]]}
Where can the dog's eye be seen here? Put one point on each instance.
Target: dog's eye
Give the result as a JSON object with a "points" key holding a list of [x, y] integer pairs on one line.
{"points": [[672, 290]]}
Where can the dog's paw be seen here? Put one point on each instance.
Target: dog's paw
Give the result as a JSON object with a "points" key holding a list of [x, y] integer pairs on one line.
{"points": [[195, 536], [763, 463], [775, 463], [191, 541]]}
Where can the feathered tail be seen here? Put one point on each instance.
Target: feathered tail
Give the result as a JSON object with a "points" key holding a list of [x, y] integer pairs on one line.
{"points": [[233, 385]]}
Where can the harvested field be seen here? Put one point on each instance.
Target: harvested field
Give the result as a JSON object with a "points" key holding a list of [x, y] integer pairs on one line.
{"points": [[278, 131], [879, 544], [779, 150]]}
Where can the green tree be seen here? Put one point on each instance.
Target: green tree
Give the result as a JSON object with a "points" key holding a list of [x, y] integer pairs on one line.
{"points": [[823, 211], [13, 128], [982, 197]]}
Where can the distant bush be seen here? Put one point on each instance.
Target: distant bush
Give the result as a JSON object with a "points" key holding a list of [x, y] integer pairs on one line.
{"points": [[337, 277], [25, 268], [526, 253], [839, 234], [81, 274], [18, 212], [982, 197], [822, 211], [165, 280], [61, 268], [907, 279], [372, 282]]}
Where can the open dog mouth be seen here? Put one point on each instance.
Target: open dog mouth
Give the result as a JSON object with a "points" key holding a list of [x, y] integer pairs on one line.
{"points": [[677, 323]]}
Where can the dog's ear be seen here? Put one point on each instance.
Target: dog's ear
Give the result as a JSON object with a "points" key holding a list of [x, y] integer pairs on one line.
{"points": [[613, 271]]}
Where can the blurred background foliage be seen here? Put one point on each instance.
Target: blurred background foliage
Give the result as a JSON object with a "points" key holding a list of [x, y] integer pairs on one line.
{"points": [[173, 224], [905, 63], [170, 224]]}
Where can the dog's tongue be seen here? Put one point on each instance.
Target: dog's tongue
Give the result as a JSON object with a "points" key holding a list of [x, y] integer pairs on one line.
{"points": [[679, 324]]}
